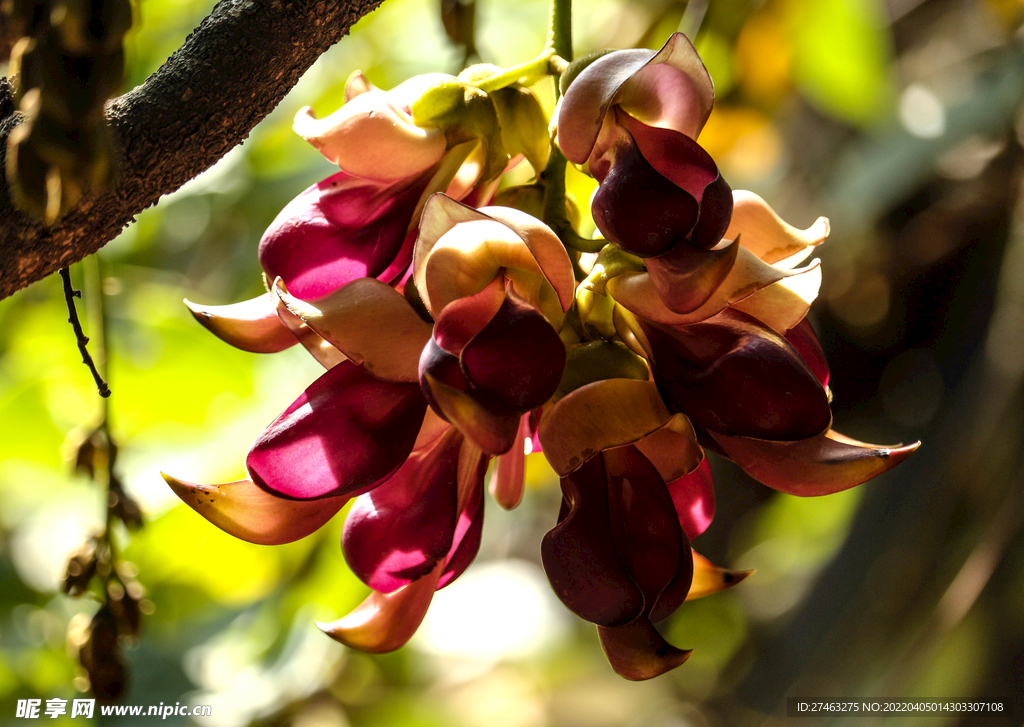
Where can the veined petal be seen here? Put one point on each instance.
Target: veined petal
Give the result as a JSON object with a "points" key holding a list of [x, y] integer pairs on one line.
{"points": [[371, 323], [637, 651], [580, 557], [386, 621], [371, 139], [693, 496], [783, 304], [460, 250], [397, 532], [325, 354], [765, 234], [820, 465], [598, 416], [345, 433], [708, 578], [341, 229], [507, 480], [253, 514], [251, 325]]}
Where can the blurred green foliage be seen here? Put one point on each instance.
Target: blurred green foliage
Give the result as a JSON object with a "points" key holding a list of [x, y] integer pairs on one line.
{"points": [[801, 84]]}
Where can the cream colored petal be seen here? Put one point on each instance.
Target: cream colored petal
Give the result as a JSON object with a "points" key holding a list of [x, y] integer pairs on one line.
{"points": [[766, 234], [783, 304]]}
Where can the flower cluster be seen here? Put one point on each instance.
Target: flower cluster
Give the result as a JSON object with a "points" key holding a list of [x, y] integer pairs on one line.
{"points": [[453, 330]]}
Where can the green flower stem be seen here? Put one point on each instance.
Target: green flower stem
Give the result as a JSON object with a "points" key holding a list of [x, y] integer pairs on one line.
{"points": [[560, 29], [526, 74]]}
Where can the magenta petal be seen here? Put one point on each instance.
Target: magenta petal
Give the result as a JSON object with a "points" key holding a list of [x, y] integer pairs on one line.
{"points": [[806, 343], [345, 432], [341, 229], [580, 557], [397, 532], [734, 375], [466, 541], [693, 496], [517, 358]]}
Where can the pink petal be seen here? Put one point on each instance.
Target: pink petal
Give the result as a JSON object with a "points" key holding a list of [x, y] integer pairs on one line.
{"points": [[253, 514], [819, 465], [341, 229], [252, 325], [345, 433], [507, 480], [466, 541], [806, 344], [693, 496], [637, 651]]}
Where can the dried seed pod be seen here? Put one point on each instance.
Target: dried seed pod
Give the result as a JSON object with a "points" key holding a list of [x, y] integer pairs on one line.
{"points": [[81, 568], [122, 506], [100, 655]]}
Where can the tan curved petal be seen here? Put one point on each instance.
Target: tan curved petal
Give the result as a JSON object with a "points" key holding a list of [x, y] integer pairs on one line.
{"points": [[386, 621], [821, 465], [251, 325], [766, 234], [326, 354], [672, 449], [598, 416], [708, 578], [637, 651], [371, 323], [249, 512]]}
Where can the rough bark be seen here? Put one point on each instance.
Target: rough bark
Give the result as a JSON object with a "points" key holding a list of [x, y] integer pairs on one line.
{"points": [[229, 74]]}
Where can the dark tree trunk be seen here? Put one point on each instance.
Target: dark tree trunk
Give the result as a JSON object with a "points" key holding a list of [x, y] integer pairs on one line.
{"points": [[230, 73]]}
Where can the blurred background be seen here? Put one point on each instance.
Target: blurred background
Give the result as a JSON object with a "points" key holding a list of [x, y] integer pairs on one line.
{"points": [[900, 120]]}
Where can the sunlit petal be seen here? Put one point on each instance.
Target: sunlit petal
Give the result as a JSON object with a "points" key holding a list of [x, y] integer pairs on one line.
{"points": [[765, 234], [346, 432], [251, 325], [253, 514], [708, 578]]}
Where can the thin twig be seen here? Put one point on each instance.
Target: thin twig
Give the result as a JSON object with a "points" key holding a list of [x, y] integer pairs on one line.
{"points": [[69, 295]]}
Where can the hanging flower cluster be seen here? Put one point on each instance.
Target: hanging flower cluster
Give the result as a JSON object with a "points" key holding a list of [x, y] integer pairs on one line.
{"points": [[453, 330]]}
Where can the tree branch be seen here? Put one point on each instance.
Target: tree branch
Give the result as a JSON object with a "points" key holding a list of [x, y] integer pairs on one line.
{"points": [[230, 73]]}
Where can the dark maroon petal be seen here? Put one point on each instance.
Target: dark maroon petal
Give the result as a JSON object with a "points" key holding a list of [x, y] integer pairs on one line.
{"points": [[397, 532], [466, 542], [685, 278], [341, 229], [694, 498], [683, 161], [517, 358], [637, 651], [580, 557], [637, 207], [345, 432], [443, 367], [806, 343], [645, 528], [732, 374]]}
